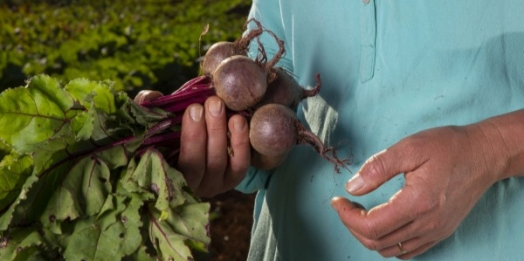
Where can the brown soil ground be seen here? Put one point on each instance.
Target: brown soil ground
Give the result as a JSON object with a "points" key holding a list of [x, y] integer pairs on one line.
{"points": [[230, 227]]}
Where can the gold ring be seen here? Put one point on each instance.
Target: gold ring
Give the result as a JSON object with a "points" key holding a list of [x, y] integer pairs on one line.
{"points": [[402, 251]]}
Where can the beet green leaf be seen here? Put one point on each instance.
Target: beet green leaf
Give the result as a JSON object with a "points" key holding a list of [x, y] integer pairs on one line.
{"points": [[78, 181]]}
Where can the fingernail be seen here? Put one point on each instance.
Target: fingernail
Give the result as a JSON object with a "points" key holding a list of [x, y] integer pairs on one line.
{"points": [[334, 204], [239, 124], [195, 112], [354, 184], [215, 107]]}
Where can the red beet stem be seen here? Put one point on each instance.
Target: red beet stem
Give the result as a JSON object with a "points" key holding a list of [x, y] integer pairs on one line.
{"points": [[191, 83], [328, 153], [181, 97], [315, 90]]}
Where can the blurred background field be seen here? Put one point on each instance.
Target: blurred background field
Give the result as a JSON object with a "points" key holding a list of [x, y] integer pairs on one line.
{"points": [[137, 44]]}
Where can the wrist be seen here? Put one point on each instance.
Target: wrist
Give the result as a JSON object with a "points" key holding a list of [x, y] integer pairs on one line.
{"points": [[501, 141]]}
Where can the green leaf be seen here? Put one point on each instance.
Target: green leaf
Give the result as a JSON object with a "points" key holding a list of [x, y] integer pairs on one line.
{"points": [[14, 170], [20, 244], [109, 237], [185, 223], [7, 217], [90, 242], [83, 124], [35, 114], [82, 192], [138, 114], [88, 187], [86, 92], [141, 255], [154, 174]]}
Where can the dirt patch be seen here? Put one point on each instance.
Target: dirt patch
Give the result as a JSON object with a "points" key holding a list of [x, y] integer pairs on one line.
{"points": [[232, 218]]}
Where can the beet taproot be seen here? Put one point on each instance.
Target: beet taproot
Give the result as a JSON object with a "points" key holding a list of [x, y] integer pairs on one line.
{"points": [[240, 82], [275, 130]]}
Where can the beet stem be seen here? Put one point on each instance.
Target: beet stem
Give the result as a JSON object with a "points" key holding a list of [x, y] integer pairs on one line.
{"points": [[279, 54], [314, 91], [328, 153]]}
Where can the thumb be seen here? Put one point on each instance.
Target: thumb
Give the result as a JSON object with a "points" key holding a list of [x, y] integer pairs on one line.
{"points": [[381, 167]]}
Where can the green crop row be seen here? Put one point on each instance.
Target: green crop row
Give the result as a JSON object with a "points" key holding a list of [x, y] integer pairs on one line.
{"points": [[138, 44]]}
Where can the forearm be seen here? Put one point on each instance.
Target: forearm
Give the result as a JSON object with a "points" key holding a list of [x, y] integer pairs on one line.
{"points": [[502, 140]]}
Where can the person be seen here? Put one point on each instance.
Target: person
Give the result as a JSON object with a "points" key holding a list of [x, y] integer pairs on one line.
{"points": [[427, 99]]}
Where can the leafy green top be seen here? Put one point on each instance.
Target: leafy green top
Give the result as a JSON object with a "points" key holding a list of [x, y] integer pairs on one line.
{"points": [[78, 183]]}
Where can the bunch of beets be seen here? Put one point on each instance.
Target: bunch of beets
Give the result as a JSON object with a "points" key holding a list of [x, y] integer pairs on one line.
{"points": [[256, 88]]}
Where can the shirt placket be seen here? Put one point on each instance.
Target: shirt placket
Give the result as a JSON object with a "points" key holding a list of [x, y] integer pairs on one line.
{"points": [[368, 34]]}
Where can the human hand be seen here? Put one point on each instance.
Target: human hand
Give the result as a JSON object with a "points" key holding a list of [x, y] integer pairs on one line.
{"points": [[446, 172], [204, 158]]}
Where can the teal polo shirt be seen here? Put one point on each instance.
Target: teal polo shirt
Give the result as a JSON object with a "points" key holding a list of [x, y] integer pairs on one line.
{"points": [[389, 69]]}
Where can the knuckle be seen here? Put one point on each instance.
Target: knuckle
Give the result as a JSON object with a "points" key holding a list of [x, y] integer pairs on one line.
{"points": [[424, 206], [376, 165], [240, 142], [423, 203], [216, 126], [217, 163], [435, 225]]}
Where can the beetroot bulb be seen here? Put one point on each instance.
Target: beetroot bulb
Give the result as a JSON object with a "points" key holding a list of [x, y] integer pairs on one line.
{"points": [[241, 81], [275, 130], [219, 51], [284, 89]]}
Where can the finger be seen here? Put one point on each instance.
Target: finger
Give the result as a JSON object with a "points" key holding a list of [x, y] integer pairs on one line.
{"points": [[193, 137], [384, 247], [381, 167], [403, 247], [147, 95], [217, 154], [240, 154], [418, 251], [378, 221]]}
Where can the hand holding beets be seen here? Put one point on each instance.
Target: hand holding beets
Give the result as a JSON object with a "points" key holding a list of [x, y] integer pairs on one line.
{"points": [[234, 116]]}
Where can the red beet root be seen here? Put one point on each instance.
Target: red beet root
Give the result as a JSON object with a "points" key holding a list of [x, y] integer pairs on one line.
{"points": [[275, 130], [219, 52], [283, 89], [240, 82]]}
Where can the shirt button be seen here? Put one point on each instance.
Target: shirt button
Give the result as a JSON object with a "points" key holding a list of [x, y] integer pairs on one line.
{"points": [[365, 2]]}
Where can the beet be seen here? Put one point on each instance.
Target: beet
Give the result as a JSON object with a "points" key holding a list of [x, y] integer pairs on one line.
{"points": [[275, 130], [221, 50], [240, 82], [284, 89]]}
